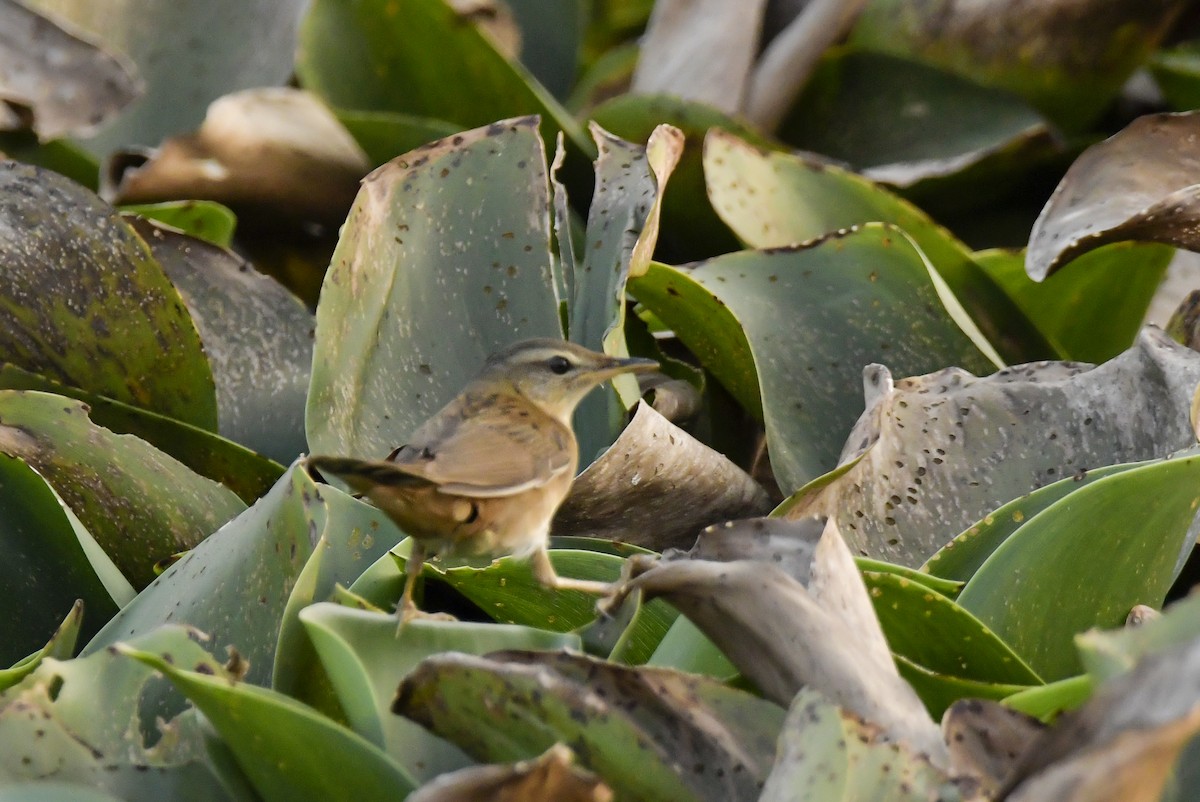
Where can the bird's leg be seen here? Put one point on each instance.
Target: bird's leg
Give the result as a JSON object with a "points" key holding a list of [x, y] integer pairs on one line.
{"points": [[544, 573], [412, 570]]}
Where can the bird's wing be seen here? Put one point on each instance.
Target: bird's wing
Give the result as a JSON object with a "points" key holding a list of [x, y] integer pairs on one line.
{"points": [[498, 446]]}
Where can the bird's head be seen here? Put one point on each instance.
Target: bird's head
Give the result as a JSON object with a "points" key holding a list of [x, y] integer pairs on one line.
{"points": [[554, 374]]}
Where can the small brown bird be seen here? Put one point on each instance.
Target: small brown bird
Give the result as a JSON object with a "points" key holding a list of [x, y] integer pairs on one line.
{"points": [[487, 472]]}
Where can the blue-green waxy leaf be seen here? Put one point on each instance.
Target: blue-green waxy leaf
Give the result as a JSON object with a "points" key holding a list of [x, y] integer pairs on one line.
{"points": [[650, 734], [444, 259], [366, 656], [1089, 558], [276, 740], [235, 584], [84, 303], [418, 57], [139, 504], [84, 721], [814, 315]]}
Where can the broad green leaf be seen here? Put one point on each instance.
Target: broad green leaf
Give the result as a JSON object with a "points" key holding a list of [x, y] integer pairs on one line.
{"points": [[827, 755], [961, 557], [651, 734], [1048, 701], [417, 57], [939, 691], [60, 155], [247, 474], [1089, 558], [814, 315], [551, 35], [1107, 654], [86, 721], [1176, 70], [187, 55], [1093, 309], [366, 657], [234, 585], [411, 267], [60, 646], [138, 503], [256, 334], [276, 740], [949, 588], [202, 219], [86, 304], [686, 648], [778, 199], [384, 135]]}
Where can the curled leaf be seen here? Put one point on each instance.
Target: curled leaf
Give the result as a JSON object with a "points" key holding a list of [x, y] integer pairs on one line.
{"points": [[553, 775]]}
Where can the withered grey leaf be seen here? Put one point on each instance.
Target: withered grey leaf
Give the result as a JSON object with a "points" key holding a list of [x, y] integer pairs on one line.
{"points": [[1122, 744], [275, 155], [258, 338], [986, 739], [784, 635], [938, 452], [791, 545], [69, 84], [657, 487], [553, 776], [1142, 183]]}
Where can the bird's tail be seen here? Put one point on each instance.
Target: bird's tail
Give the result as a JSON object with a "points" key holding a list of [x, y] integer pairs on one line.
{"points": [[365, 475]]}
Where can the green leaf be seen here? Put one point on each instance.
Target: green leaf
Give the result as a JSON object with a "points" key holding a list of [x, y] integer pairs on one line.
{"points": [[410, 267], [366, 657], [814, 315], [384, 135], [1176, 70], [686, 648], [1108, 654], [275, 738], [1094, 307], [1089, 558], [53, 792], [139, 504], [551, 34], [778, 199], [247, 474], [61, 646], [202, 219], [417, 57], [1048, 701], [235, 584], [60, 155], [85, 304], [939, 691], [949, 588]]}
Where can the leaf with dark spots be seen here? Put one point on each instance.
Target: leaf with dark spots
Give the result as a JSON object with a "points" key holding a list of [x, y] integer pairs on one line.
{"points": [[650, 734], [551, 776], [657, 487], [257, 335], [388, 307], [69, 261], [1143, 183], [986, 740], [68, 84], [959, 444], [138, 503]]}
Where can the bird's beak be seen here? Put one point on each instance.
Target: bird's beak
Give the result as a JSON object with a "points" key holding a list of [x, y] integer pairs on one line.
{"points": [[617, 365]]}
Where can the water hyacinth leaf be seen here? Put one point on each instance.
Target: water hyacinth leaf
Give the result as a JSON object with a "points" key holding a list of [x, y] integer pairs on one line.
{"points": [[247, 474], [1047, 702], [86, 304], [47, 565], [1067, 58], [79, 721], [138, 503], [961, 557], [275, 155], [648, 733], [257, 335], [633, 492], [827, 753], [552, 37], [1094, 309], [783, 634], [418, 57], [777, 199], [963, 442], [53, 792], [687, 648], [1176, 71], [60, 646], [366, 658], [68, 85], [1142, 183], [939, 692], [206, 220], [551, 776], [236, 583], [384, 135], [881, 108], [60, 155], [1107, 654], [814, 315], [1118, 540], [273, 737], [383, 362], [187, 56]]}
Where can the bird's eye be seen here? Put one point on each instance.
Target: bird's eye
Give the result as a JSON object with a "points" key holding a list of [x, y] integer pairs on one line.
{"points": [[558, 364]]}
